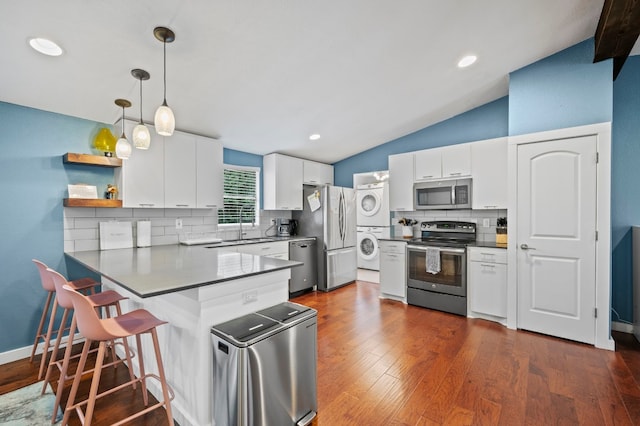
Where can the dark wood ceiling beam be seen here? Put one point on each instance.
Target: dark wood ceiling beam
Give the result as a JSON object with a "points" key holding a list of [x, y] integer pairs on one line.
{"points": [[617, 32]]}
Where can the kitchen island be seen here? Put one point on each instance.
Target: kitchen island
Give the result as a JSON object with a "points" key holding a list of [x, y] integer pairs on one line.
{"points": [[193, 288]]}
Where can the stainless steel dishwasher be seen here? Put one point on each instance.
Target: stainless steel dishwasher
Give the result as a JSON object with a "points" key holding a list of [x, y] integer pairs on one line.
{"points": [[305, 277], [264, 367]]}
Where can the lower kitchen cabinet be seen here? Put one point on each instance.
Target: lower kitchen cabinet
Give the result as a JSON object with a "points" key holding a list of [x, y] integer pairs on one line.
{"points": [[487, 283], [393, 272]]}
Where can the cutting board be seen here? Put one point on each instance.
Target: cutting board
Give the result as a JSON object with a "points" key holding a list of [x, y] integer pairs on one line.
{"points": [[116, 235]]}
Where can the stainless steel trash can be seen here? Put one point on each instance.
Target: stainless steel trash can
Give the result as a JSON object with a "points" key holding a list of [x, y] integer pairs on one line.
{"points": [[264, 367]]}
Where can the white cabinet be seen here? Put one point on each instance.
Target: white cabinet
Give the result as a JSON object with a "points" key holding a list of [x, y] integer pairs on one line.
{"points": [[282, 182], [140, 180], [487, 283], [428, 164], [401, 182], [489, 171], [456, 160], [277, 249], [445, 162], [393, 272], [180, 171], [315, 173], [209, 173]]}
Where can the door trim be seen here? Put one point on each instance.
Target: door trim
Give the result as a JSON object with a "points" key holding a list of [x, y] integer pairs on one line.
{"points": [[602, 131]]}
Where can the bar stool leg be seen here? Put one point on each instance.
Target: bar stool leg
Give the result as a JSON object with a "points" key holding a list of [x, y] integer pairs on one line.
{"points": [[76, 381], [163, 379], [63, 372], [127, 353], [97, 372], [39, 334], [143, 382], [47, 339], [56, 347]]}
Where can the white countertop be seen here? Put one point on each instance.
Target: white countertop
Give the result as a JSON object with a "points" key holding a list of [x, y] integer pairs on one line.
{"points": [[164, 269]]}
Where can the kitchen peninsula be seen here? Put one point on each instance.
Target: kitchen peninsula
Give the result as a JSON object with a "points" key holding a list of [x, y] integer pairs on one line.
{"points": [[192, 288]]}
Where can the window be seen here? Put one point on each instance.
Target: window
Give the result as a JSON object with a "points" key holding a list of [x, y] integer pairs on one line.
{"points": [[240, 194]]}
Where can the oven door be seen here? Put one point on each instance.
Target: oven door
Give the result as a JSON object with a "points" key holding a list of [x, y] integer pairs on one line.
{"points": [[452, 278]]}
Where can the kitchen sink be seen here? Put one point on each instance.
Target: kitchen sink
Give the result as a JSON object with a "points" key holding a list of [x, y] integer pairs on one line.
{"points": [[227, 243]]}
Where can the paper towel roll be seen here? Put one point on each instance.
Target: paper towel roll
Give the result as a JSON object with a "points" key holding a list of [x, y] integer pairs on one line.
{"points": [[144, 233]]}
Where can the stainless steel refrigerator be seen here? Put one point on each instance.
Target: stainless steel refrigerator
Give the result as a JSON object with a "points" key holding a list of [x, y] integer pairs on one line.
{"points": [[333, 223]]}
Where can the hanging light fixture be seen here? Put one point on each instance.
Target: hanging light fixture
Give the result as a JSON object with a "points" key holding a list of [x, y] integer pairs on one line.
{"points": [[123, 147], [141, 137], [164, 120]]}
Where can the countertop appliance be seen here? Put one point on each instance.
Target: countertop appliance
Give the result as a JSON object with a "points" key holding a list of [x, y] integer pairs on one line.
{"points": [[305, 277], [437, 266], [443, 194], [329, 214], [286, 227], [258, 379]]}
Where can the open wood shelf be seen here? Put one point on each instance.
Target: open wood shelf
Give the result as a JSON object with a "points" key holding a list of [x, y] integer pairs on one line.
{"points": [[91, 160], [91, 202]]}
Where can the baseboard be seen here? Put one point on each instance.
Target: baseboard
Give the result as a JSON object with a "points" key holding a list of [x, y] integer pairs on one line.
{"points": [[622, 327], [25, 352]]}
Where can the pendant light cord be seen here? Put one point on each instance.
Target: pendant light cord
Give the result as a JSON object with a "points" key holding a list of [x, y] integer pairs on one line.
{"points": [[164, 44], [141, 122], [123, 136]]}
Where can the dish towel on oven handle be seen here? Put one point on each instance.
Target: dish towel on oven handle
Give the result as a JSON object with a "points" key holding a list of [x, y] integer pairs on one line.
{"points": [[433, 260]]}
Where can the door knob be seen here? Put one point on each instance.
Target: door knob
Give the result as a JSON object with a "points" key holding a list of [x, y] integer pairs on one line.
{"points": [[526, 247]]}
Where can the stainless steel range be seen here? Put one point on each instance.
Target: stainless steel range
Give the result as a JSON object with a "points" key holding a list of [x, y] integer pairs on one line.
{"points": [[437, 266]]}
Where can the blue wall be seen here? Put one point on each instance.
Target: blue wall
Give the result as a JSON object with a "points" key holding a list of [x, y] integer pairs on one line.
{"points": [[33, 182], [625, 178], [485, 122], [563, 90]]}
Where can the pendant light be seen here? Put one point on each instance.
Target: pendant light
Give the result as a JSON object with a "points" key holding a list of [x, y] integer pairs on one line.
{"points": [[141, 137], [123, 147], [164, 120]]}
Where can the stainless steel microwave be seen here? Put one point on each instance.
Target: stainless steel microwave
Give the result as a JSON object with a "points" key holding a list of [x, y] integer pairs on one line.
{"points": [[442, 194]]}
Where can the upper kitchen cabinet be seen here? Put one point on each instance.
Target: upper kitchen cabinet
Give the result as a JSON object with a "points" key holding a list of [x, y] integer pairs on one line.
{"points": [[489, 169], [141, 177], [209, 173], [428, 164], [180, 171], [283, 178], [445, 162], [401, 182], [315, 173]]}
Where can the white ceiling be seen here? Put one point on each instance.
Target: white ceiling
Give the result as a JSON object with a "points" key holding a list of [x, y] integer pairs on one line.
{"points": [[263, 75]]}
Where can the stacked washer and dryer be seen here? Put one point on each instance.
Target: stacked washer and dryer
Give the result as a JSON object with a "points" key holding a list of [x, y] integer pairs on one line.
{"points": [[372, 222]]}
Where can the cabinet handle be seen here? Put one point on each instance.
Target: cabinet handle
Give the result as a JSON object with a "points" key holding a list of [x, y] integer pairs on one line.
{"points": [[211, 205], [487, 254], [486, 265], [182, 205], [147, 204], [490, 207], [265, 248], [455, 174], [427, 177]]}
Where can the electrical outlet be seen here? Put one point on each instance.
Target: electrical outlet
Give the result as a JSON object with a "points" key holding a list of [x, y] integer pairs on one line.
{"points": [[178, 223], [485, 223], [249, 297]]}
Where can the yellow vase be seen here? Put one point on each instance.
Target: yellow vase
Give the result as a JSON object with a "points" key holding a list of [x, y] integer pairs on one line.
{"points": [[105, 141]]}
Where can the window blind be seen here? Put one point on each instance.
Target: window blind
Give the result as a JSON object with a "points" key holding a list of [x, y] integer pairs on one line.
{"points": [[240, 194]]}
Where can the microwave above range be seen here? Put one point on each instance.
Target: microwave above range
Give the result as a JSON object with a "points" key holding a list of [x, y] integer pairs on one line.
{"points": [[442, 194]]}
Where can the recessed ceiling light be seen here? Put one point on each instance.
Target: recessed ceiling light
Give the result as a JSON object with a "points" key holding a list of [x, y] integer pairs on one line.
{"points": [[467, 60], [314, 137], [45, 46]]}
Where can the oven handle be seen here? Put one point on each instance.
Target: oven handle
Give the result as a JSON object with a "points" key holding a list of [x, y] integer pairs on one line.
{"points": [[442, 250]]}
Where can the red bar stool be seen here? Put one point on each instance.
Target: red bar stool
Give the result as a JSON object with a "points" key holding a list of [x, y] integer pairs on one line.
{"points": [[93, 328], [49, 287], [106, 300]]}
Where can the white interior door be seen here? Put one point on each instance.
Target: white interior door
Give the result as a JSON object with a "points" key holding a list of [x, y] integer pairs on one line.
{"points": [[556, 232]]}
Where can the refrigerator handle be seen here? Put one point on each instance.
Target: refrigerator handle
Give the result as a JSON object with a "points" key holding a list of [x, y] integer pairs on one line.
{"points": [[340, 217], [344, 218]]}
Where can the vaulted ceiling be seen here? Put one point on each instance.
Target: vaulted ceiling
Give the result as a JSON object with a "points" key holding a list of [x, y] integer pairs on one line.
{"points": [[263, 75]]}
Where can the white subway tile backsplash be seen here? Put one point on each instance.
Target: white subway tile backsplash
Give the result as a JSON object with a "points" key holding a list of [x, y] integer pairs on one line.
{"points": [[79, 212], [114, 213], [69, 246], [87, 245], [194, 220], [177, 212], [148, 213], [164, 240], [81, 234], [85, 223]]}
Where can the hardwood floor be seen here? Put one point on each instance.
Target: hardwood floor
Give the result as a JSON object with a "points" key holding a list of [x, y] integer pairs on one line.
{"points": [[385, 363]]}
